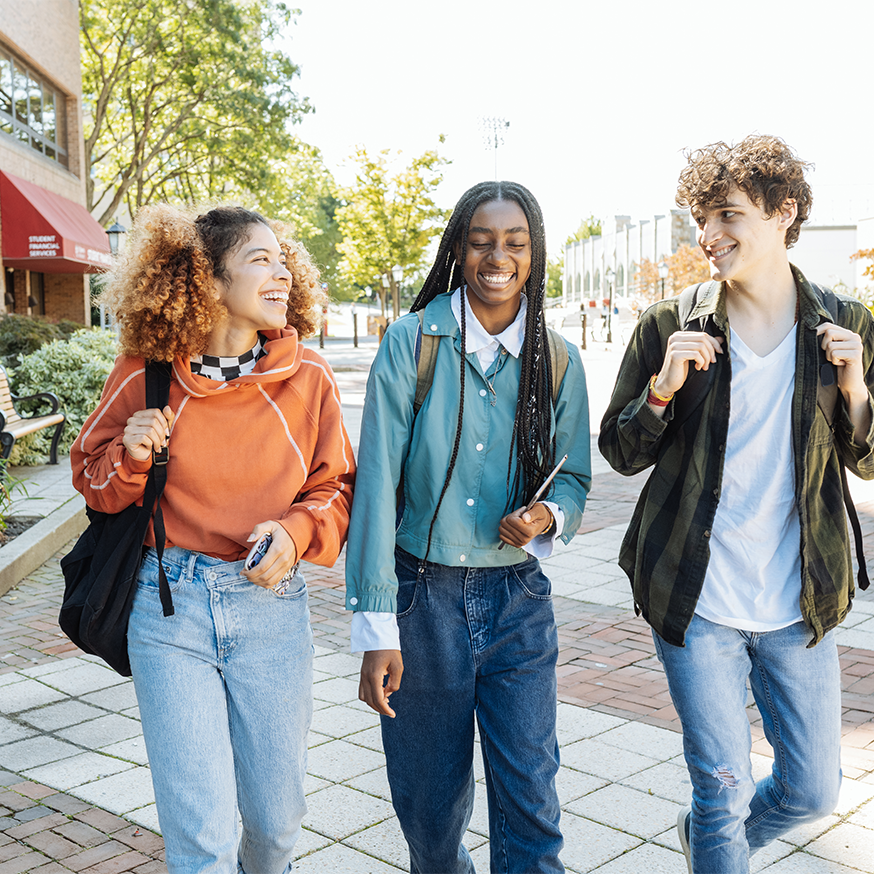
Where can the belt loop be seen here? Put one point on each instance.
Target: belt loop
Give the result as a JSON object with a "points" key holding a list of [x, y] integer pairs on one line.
{"points": [[190, 566]]}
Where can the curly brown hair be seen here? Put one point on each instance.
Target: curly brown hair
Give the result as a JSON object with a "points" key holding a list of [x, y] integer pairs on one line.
{"points": [[763, 167], [162, 291]]}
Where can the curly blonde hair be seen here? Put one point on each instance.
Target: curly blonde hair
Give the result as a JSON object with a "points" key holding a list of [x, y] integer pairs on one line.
{"points": [[162, 291], [763, 167]]}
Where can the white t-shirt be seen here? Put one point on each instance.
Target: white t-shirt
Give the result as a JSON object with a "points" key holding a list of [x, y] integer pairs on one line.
{"points": [[753, 579]]}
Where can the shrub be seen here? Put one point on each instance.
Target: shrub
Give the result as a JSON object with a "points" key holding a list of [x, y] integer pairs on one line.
{"points": [[75, 370], [22, 335]]}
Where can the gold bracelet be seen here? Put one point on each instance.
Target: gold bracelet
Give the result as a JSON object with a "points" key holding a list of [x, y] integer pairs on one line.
{"points": [[655, 393]]}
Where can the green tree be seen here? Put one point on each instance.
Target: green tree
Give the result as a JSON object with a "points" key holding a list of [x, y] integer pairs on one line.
{"points": [[301, 191], [589, 227], [554, 274], [183, 99], [388, 219]]}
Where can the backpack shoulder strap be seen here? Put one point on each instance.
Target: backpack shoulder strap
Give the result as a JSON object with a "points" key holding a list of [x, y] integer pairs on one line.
{"points": [[688, 299], [698, 382], [426, 361], [158, 378], [827, 401], [826, 386], [558, 358]]}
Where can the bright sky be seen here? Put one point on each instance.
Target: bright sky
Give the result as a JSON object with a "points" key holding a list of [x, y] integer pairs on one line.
{"points": [[601, 97]]}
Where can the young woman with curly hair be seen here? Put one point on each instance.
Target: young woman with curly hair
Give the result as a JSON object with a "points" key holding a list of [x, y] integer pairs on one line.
{"points": [[256, 445], [451, 604]]}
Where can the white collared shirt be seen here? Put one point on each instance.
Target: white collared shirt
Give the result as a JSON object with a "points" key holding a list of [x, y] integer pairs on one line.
{"points": [[372, 630]]}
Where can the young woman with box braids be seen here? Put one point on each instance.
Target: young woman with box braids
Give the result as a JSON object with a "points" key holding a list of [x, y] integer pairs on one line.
{"points": [[439, 492]]}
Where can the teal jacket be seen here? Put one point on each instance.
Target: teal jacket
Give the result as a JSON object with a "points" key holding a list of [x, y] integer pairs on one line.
{"points": [[466, 531]]}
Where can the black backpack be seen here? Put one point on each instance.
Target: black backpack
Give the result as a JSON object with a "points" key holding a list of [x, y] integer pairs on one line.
{"points": [[100, 571]]}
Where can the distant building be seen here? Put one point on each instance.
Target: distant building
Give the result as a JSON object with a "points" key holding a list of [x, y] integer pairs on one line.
{"points": [[622, 246], [823, 253], [48, 240]]}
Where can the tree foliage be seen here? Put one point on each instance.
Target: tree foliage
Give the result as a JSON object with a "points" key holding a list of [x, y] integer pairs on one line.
{"points": [[686, 266], [867, 254], [389, 217], [554, 273], [301, 191], [183, 99], [589, 227]]}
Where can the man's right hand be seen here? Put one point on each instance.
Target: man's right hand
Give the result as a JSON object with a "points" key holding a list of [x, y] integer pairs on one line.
{"points": [[375, 667], [683, 347]]}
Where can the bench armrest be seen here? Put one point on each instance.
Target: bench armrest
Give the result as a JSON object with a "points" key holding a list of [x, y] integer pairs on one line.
{"points": [[49, 396]]}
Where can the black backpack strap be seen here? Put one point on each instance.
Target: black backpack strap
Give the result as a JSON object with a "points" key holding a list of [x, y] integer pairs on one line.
{"points": [[827, 400], [158, 379]]}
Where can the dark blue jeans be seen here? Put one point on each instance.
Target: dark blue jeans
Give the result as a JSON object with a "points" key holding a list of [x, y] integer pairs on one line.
{"points": [[476, 642]]}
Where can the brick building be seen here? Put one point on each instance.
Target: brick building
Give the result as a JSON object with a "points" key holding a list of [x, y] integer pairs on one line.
{"points": [[48, 240]]}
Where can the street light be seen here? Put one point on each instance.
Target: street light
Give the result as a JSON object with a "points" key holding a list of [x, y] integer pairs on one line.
{"points": [[397, 274], [114, 234], [663, 275], [609, 275]]}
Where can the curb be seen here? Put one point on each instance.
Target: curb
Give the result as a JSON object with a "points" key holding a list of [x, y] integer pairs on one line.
{"points": [[39, 543]]}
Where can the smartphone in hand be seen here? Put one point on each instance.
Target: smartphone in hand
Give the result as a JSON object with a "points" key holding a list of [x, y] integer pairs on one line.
{"points": [[262, 544]]}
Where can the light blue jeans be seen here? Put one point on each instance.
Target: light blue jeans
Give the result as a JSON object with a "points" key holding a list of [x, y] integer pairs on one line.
{"points": [[225, 694], [478, 643], [798, 693]]}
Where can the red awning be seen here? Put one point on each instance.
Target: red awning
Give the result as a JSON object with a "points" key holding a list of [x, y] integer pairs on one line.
{"points": [[47, 233]]}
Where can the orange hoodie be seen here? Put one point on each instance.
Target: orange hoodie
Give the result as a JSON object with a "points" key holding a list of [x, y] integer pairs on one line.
{"points": [[269, 445]]}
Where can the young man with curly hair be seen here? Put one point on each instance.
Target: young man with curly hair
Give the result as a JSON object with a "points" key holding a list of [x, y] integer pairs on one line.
{"points": [[738, 550]]}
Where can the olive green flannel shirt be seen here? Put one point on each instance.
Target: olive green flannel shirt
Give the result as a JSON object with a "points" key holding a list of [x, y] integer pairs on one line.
{"points": [[666, 548]]}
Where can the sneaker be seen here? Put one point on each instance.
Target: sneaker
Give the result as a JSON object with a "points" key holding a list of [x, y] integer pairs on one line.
{"points": [[683, 823]]}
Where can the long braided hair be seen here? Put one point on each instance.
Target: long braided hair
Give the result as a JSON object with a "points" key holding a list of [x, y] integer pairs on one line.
{"points": [[532, 450]]}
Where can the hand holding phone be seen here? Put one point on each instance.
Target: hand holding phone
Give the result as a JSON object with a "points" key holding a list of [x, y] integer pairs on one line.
{"points": [[258, 551]]}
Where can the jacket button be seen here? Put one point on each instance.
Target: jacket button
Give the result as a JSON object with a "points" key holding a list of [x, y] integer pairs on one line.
{"points": [[716, 493], [707, 534], [353, 601], [482, 392]]}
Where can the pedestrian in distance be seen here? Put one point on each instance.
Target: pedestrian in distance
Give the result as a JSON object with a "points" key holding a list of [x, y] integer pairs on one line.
{"points": [[441, 488], [746, 396], [256, 446]]}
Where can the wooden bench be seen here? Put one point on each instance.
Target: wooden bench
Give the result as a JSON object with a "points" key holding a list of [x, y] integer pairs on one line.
{"points": [[13, 425]]}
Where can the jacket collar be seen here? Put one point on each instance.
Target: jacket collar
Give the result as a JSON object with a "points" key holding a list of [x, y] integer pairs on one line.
{"points": [[438, 318], [711, 302]]}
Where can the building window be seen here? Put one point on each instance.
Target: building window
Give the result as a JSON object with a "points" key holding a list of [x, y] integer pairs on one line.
{"points": [[31, 111]]}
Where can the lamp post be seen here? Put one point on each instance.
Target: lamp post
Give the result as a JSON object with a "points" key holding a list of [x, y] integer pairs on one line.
{"points": [[663, 275], [493, 135], [609, 275], [397, 275], [114, 234]]}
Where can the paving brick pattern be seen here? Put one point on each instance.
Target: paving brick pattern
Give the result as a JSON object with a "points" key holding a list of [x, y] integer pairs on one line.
{"points": [[622, 777]]}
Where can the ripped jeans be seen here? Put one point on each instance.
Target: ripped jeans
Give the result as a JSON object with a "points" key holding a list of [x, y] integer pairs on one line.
{"points": [[798, 693]]}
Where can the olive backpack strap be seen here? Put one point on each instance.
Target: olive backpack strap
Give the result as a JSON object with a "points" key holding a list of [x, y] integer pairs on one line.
{"points": [[827, 397], [426, 360], [693, 300], [558, 358]]}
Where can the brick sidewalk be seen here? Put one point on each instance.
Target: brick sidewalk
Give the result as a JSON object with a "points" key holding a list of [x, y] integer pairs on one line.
{"points": [[607, 663]]}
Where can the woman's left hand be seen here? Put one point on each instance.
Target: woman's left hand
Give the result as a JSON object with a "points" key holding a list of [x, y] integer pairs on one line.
{"points": [[521, 526], [277, 561]]}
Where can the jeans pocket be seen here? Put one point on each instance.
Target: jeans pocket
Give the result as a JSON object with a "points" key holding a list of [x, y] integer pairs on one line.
{"points": [[296, 590], [533, 581], [149, 578]]}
